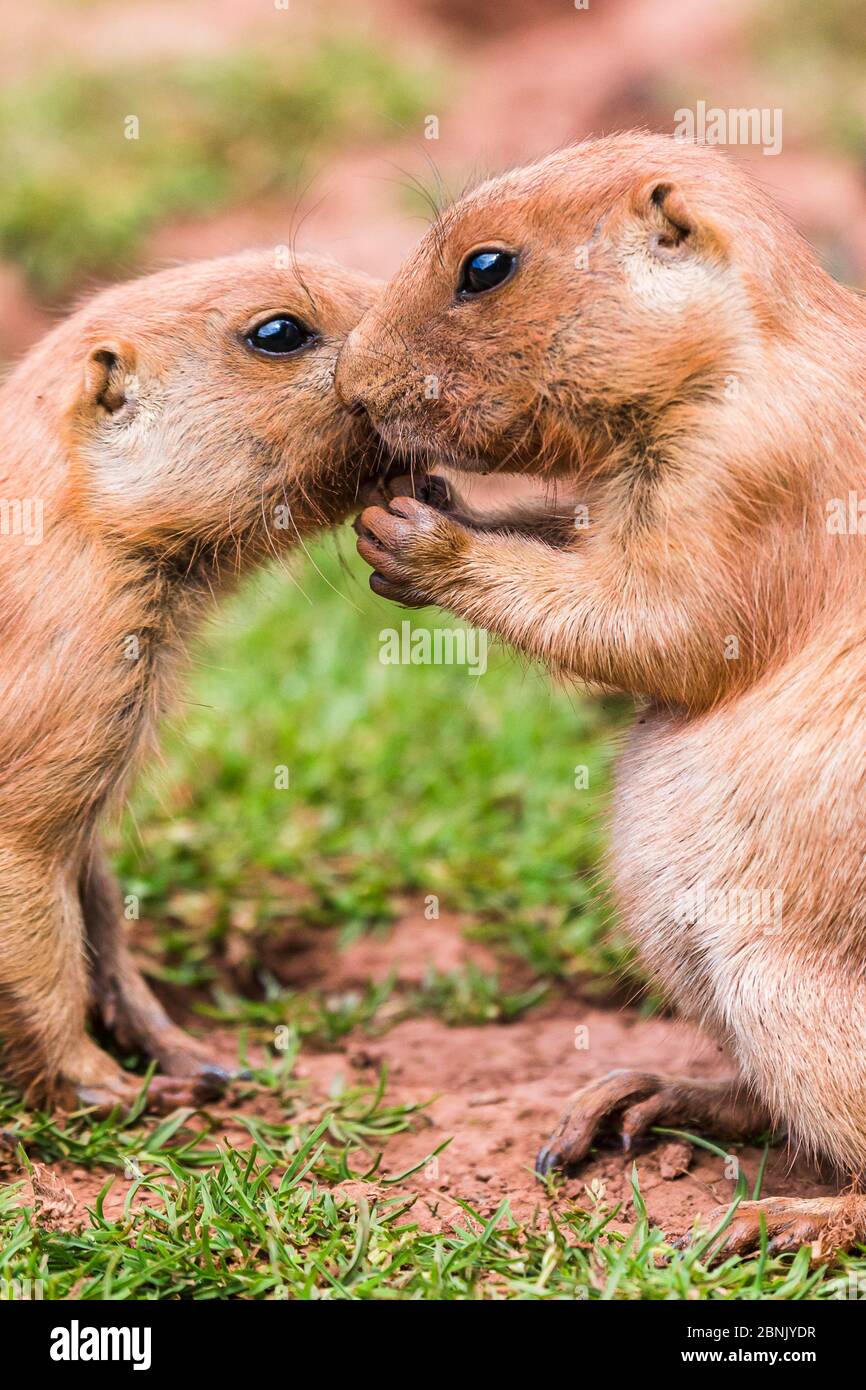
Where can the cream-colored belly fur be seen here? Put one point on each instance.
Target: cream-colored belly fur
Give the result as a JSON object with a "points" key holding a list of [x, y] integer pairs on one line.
{"points": [[739, 860]]}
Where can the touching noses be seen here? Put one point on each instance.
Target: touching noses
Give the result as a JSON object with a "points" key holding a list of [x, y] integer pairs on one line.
{"points": [[349, 379]]}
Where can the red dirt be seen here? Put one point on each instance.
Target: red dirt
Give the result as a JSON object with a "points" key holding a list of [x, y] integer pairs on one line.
{"points": [[495, 1090], [500, 1088]]}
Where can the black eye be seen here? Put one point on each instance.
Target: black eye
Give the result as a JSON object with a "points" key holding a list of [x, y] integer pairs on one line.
{"points": [[278, 337], [484, 270]]}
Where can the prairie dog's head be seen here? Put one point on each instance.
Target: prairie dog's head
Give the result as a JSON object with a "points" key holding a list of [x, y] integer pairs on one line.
{"points": [[199, 402], [552, 306]]}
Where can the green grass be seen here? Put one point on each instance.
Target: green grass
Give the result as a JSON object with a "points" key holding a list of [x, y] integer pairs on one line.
{"points": [[79, 196], [262, 1223], [404, 782]]}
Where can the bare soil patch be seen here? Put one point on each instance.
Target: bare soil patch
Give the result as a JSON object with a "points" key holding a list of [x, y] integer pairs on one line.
{"points": [[495, 1092]]}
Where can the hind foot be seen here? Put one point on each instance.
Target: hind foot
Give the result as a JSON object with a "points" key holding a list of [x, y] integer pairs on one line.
{"points": [[164, 1094], [828, 1224], [130, 1010], [631, 1102], [90, 1078]]}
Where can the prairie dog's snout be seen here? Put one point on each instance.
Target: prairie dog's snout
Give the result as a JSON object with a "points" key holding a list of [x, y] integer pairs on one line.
{"points": [[356, 363], [606, 278], [343, 377]]}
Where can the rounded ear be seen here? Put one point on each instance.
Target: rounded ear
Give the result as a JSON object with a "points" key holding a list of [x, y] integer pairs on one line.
{"points": [[674, 225], [107, 373]]}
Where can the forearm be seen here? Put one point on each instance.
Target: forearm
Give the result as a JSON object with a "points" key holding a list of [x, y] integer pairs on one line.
{"points": [[590, 610], [578, 613], [534, 597], [555, 525]]}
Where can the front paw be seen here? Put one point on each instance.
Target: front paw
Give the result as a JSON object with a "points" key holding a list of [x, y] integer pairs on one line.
{"points": [[412, 549]]}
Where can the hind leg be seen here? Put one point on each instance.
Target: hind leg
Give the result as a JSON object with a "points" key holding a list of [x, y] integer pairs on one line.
{"points": [[44, 991], [797, 1025], [126, 1004], [43, 984]]}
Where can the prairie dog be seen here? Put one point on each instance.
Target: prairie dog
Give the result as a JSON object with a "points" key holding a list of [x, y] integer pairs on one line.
{"points": [[170, 434], [635, 319]]}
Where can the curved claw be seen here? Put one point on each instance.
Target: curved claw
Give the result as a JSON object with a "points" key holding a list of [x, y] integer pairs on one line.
{"points": [[547, 1160], [431, 488], [214, 1079], [591, 1111]]}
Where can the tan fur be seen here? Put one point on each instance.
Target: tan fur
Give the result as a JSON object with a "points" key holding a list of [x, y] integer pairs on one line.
{"points": [[160, 448], [700, 386]]}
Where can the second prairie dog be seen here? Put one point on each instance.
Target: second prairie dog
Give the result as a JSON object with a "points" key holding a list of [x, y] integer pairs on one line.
{"points": [[167, 436], [635, 321]]}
